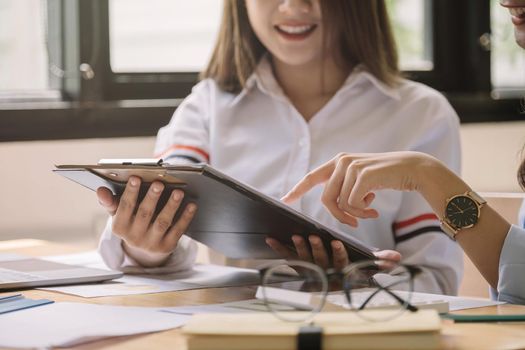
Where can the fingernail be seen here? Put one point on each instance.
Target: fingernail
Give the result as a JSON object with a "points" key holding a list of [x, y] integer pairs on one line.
{"points": [[177, 195], [191, 208], [296, 239], [314, 240], [133, 181], [157, 189]]}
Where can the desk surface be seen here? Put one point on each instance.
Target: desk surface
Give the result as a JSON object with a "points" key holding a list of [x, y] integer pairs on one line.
{"points": [[454, 336]]}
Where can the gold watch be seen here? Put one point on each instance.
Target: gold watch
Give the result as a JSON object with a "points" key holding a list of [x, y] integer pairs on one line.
{"points": [[462, 211]]}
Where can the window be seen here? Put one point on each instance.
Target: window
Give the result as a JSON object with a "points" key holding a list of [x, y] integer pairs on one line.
{"points": [[109, 68], [507, 58], [412, 22], [162, 35], [22, 45]]}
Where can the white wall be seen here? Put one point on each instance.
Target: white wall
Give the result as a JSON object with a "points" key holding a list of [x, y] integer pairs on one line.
{"points": [[492, 154], [36, 203]]}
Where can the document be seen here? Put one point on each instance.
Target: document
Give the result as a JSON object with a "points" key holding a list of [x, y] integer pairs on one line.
{"points": [[68, 324], [440, 303], [201, 276], [243, 306], [429, 301]]}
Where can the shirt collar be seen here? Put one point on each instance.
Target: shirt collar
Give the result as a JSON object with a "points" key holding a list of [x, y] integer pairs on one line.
{"points": [[360, 74], [264, 79]]}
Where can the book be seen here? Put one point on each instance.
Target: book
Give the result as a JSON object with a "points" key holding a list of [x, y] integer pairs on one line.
{"points": [[341, 330]]}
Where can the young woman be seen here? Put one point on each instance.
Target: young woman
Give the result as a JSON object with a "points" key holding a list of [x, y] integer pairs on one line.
{"points": [[290, 83], [495, 247]]}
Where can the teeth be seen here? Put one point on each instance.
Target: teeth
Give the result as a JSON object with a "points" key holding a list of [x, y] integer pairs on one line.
{"points": [[517, 11], [295, 29]]}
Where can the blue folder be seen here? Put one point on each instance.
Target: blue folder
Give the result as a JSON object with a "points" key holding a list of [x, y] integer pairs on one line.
{"points": [[17, 302]]}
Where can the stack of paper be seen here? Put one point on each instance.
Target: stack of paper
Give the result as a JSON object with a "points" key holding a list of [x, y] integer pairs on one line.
{"points": [[68, 324], [200, 276]]}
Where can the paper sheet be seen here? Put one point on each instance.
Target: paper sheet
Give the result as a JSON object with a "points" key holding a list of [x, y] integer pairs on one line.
{"points": [[251, 305], [463, 303], [454, 303], [201, 276], [254, 305], [68, 324]]}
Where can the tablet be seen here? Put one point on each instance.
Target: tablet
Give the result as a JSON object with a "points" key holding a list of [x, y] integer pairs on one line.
{"points": [[232, 218]]}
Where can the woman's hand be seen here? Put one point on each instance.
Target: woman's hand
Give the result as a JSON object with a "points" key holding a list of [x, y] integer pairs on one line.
{"points": [[319, 255], [352, 179], [147, 239]]}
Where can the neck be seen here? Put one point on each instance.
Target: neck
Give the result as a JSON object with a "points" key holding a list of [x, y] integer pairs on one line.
{"points": [[311, 79], [315, 81]]}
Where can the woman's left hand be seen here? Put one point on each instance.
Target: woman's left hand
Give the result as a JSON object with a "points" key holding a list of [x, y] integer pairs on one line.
{"points": [[318, 253]]}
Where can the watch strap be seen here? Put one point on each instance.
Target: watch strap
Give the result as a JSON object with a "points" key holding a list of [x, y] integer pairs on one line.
{"points": [[477, 198]]}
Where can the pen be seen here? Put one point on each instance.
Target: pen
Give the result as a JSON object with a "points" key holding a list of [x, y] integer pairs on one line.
{"points": [[484, 318]]}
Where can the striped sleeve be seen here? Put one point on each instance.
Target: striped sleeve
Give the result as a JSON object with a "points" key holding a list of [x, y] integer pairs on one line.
{"points": [[182, 151], [414, 226], [186, 137]]}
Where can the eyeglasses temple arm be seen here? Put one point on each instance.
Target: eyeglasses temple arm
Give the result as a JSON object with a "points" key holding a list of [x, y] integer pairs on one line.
{"points": [[409, 306]]}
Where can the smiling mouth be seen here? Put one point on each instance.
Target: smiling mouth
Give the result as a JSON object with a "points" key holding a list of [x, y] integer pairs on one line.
{"points": [[295, 31], [517, 12], [517, 15]]}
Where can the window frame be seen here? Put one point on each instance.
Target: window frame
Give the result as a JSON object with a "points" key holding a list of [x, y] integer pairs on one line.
{"points": [[137, 104]]}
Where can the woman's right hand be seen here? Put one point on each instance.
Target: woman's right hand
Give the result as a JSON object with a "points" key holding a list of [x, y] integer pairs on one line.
{"points": [[352, 179], [148, 239]]}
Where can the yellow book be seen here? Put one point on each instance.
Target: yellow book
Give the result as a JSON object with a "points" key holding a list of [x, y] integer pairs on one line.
{"points": [[341, 330]]}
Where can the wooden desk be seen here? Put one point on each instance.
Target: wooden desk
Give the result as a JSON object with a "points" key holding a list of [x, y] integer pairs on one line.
{"points": [[455, 336]]}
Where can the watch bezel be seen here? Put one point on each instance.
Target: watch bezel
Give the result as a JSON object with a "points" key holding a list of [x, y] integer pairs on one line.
{"points": [[451, 201], [448, 226]]}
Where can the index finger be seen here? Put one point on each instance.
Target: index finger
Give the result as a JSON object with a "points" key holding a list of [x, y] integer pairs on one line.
{"points": [[128, 200], [313, 178]]}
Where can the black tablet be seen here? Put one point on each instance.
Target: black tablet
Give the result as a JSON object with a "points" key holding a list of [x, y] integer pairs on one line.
{"points": [[232, 218]]}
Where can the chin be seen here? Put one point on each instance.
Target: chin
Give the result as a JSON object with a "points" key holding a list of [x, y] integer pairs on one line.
{"points": [[520, 36], [297, 60]]}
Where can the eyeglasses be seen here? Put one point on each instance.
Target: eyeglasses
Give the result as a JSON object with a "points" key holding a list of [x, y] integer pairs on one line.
{"points": [[383, 286]]}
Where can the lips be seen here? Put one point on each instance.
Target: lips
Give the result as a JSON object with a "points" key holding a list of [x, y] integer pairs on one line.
{"points": [[295, 31], [517, 15], [516, 10]]}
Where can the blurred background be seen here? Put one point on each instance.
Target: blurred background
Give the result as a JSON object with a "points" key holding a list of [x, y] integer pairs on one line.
{"points": [[82, 80]]}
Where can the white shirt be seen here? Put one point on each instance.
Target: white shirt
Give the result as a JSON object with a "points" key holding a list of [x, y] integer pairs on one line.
{"points": [[259, 138], [511, 284]]}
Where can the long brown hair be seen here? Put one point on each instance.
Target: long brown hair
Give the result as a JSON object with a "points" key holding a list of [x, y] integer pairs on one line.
{"points": [[360, 29]]}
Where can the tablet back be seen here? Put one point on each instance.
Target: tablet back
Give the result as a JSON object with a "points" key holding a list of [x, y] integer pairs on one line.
{"points": [[232, 218]]}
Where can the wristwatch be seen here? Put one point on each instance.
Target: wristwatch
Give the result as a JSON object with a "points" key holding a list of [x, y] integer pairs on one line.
{"points": [[462, 211]]}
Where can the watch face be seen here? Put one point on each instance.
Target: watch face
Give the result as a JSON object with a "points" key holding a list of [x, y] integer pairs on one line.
{"points": [[462, 212]]}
